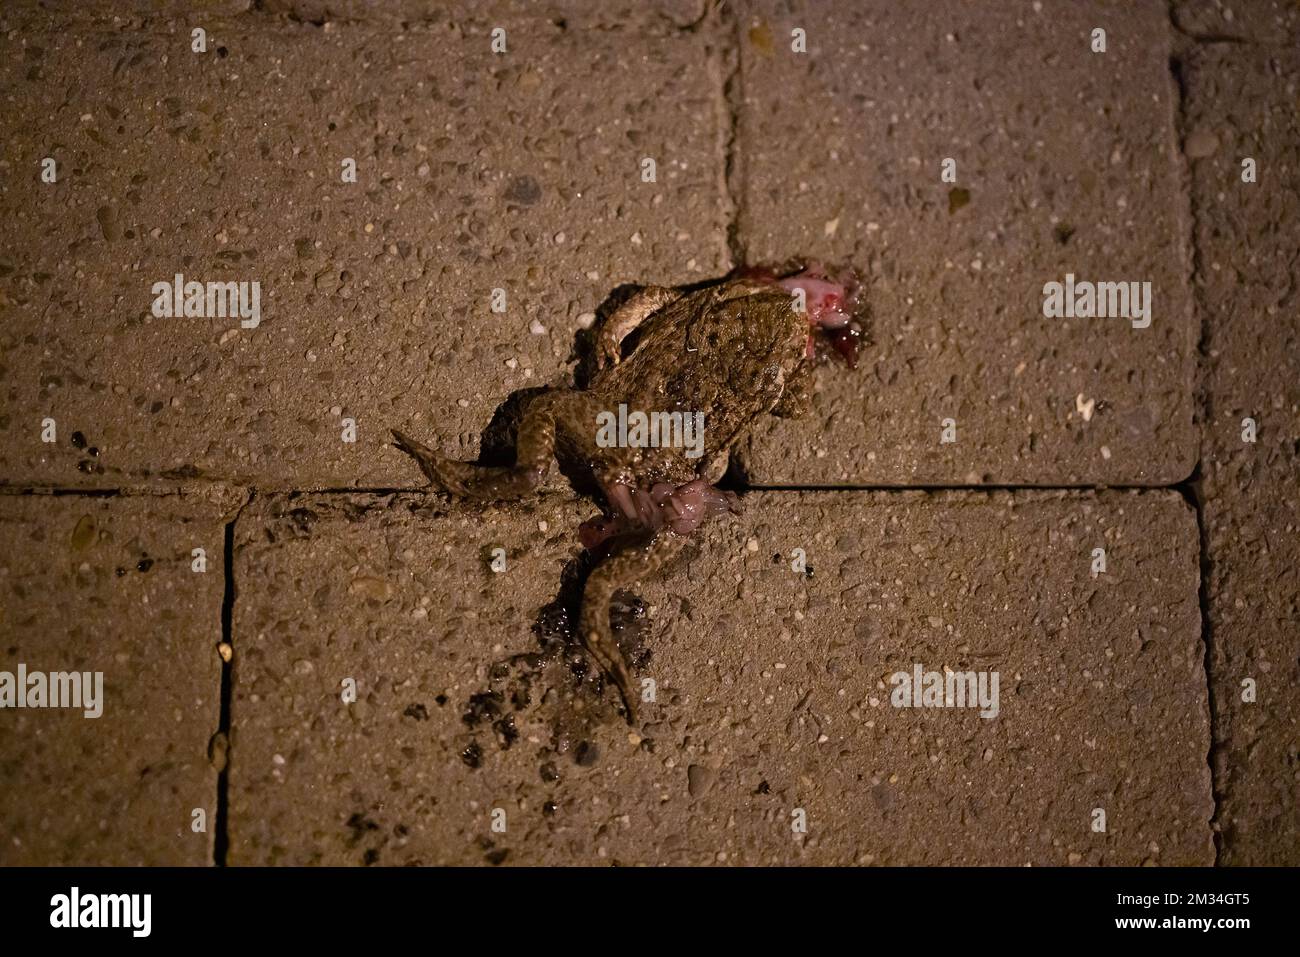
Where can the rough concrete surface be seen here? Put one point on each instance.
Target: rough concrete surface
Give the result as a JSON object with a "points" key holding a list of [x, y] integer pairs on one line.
{"points": [[1242, 104], [618, 13], [771, 688], [1060, 169], [106, 585], [475, 172], [127, 439]]}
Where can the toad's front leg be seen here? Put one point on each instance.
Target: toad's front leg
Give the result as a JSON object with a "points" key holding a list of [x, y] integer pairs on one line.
{"points": [[619, 571], [534, 453], [621, 323], [796, 397]]}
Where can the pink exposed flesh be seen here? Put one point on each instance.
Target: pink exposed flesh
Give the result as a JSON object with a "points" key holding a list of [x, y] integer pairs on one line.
{"points": [[826, 301], [831, 302], [682, 508]]}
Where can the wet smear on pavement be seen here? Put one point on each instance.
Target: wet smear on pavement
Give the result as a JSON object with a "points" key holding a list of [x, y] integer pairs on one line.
{"points": [[559, 678]]}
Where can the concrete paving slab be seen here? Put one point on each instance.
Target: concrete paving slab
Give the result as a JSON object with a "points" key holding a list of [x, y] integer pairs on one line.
{"points": [[1254, 623], [1241, 106], [1061, 168], [475, 171], [772, 737], [107, 585]]}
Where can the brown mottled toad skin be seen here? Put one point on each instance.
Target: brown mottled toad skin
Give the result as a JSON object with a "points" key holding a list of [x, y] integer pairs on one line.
{"points": [[734, 352]]}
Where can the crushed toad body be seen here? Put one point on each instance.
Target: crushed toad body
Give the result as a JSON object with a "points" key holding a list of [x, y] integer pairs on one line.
{"points": [[716, 358]]}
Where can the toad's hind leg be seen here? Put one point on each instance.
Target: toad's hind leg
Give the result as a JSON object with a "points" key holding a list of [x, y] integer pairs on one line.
{"points": [[619, 571], [534, 453]]}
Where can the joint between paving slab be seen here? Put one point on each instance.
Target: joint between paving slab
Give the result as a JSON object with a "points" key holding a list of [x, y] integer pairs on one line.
{"points": [[258, 8], [1190, 491], [1187, 227], [732, 484], [741, 485], [86, 492], [958, 487], [221, 840], [728, 77], [1190, 487]]}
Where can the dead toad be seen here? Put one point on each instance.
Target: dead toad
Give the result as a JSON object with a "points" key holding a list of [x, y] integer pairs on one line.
{"points": [[730, 352]]}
